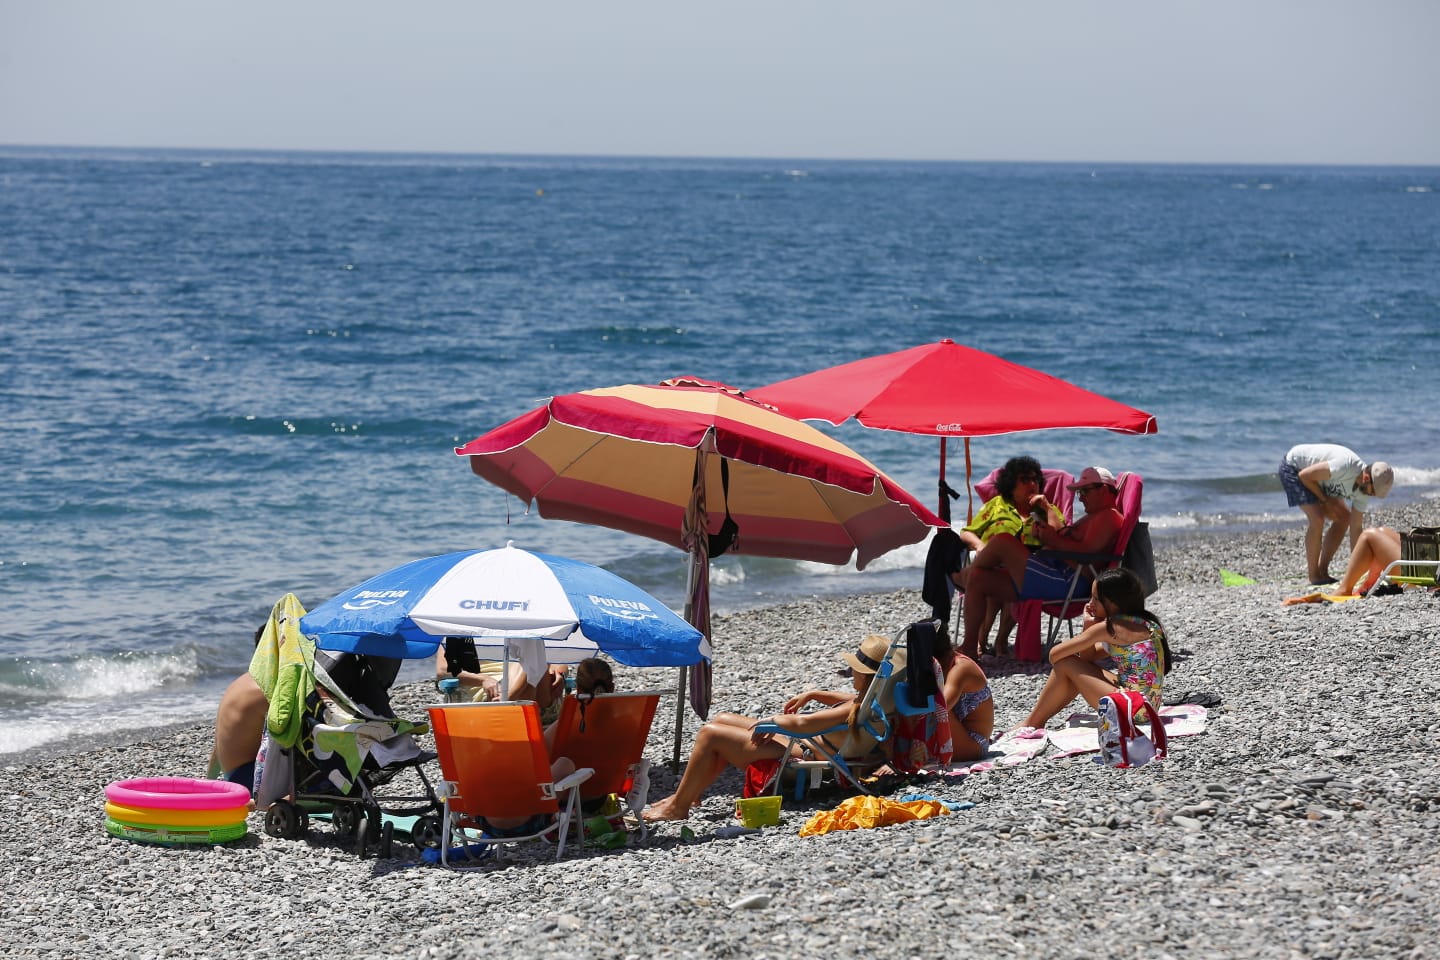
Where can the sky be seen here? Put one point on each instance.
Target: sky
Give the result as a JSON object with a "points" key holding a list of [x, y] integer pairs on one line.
{"points": [[1160, 81]]}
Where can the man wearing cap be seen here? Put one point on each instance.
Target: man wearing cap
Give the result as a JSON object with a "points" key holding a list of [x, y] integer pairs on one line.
{"points": [[1006, 569], [1330, 482]]}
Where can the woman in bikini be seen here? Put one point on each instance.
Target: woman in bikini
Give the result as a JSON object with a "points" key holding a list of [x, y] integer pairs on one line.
{"points": [[730, 740], [967, 694]]}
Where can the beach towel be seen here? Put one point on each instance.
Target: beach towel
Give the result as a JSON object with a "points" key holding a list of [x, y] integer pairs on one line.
{"points": [[283, 667], [1321, 597], [345, 737], [1011, 749], [862, 813], [1080, 733]]}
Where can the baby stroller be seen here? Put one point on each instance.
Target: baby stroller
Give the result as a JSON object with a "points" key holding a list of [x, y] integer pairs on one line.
{"points": [[351, 745]]}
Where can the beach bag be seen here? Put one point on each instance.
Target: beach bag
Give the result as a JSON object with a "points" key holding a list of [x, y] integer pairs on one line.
{"points": [[1139, 557], [1422, 543], [1121, 742]]}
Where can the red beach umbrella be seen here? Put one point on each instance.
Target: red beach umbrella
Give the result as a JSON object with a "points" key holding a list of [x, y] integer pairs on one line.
{"points": [[946, 389]]}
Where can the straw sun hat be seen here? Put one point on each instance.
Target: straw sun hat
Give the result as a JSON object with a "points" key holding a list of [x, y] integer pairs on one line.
{"points": [[868, 658]]}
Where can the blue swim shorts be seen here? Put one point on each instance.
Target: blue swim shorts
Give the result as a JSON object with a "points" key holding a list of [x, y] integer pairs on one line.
{"points": [[243, 775], [1049, 579], [1296, 493]]}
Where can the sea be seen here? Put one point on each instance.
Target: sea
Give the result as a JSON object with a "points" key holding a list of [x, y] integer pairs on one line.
{"points": [[225, 376]]}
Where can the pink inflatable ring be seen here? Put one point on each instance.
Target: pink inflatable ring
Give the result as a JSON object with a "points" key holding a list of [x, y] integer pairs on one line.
{"points": [[178, 793]]}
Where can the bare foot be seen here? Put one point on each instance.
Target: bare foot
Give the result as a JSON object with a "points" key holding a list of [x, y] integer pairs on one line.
{"points": [[661, 811]]}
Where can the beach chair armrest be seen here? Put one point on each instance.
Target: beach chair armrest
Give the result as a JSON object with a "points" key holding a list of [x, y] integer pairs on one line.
{"points": [[574, 779], [774, 729]]}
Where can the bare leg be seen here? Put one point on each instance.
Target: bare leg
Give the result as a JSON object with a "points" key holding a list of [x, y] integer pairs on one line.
{"points": [[239, 723], [1002, 635], [1375, 549], [991, 609], [998, 572], [718, 745], [1069, 678], [1334, 536], [981, 587], [1314, 534]]}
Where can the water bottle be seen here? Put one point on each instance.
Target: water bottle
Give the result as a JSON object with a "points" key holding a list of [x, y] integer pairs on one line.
{"points": [[450, 690]]}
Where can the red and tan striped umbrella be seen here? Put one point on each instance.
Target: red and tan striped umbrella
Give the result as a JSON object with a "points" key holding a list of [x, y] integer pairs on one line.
{"points": [[629, 458], [625, 457]]}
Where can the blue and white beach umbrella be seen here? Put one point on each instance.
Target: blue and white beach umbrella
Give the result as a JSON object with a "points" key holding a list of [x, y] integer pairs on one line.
{"points": [[510, 601]]}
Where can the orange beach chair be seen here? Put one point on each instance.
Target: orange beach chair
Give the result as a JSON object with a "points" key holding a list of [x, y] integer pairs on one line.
{"points": [[607, 733], [494, 763]]}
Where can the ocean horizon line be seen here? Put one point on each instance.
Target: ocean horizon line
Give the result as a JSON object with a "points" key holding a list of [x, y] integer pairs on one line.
{"points": [[42, 149]]}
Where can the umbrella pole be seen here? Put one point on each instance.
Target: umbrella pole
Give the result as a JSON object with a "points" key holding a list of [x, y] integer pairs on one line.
{"points": [[691, 572], [679, 717], [942, 511], [969, 493]]}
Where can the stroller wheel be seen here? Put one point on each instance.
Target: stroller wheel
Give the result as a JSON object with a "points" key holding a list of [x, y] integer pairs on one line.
{"points": [[283, 819], [345, 818], [426, 833], [387, 839]]}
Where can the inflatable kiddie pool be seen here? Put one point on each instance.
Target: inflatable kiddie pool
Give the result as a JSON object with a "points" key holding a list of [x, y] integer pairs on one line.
{"points": [[176, 810]]}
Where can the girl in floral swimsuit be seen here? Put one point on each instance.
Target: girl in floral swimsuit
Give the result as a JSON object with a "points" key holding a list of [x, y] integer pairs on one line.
{"points": [[1123, 646]]}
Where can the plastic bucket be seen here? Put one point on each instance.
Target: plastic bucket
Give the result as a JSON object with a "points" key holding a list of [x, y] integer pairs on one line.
{"points": [[758, 811]]}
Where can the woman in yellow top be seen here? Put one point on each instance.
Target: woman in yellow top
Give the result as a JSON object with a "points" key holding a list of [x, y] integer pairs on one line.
{"points": [[1017, 483]]}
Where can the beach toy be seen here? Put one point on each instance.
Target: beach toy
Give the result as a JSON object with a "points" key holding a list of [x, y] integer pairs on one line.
{"points": [[175, 836], [178, 793], [176, 818], [176, 810], [758, 811]]}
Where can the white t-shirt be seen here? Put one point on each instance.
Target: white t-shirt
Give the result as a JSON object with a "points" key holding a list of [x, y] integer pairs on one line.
{"points": [[1345, 469]]}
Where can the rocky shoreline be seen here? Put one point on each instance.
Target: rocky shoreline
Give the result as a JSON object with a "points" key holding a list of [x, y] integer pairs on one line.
{"points": [[1304, 822]]}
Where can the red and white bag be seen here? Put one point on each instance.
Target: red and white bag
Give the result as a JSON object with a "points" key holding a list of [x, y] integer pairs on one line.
{"points": [[1121, 742]]}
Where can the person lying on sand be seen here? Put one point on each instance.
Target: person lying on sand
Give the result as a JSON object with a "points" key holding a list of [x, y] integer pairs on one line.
{"points": [[732, 740]]}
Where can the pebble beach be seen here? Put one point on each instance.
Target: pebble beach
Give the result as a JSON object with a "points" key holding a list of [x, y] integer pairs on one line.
{"points": [[1305, 821]]}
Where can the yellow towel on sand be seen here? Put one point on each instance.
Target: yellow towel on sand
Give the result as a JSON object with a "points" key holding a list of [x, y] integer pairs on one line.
{"points": [[284, 669], [1321, 597], [858, 813]]}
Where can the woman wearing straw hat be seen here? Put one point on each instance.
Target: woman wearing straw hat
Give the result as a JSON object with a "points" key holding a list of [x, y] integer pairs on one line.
{"points": [[730, 740]]}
